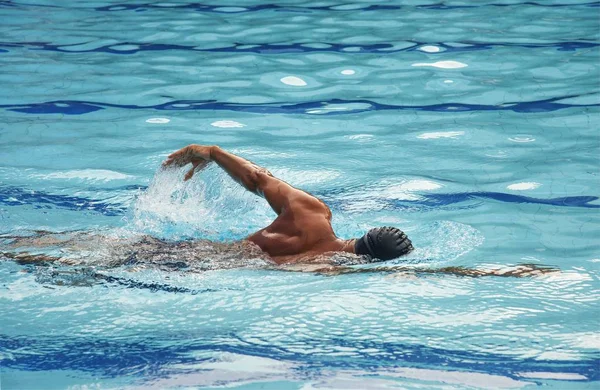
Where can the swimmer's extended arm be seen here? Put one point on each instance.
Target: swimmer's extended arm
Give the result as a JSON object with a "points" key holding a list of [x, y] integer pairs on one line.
{"points": [[255, 179], [519, 271]]}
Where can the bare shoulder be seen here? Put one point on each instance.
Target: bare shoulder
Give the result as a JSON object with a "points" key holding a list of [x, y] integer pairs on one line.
{"points": [[305, 206], [282, 195]]}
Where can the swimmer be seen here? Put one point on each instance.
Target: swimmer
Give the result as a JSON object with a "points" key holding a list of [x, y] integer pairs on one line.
{"points": [[300, 239], [302, 230]]}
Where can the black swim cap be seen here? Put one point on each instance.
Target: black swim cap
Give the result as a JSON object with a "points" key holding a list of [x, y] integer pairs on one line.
{"points": [[384, 243]]}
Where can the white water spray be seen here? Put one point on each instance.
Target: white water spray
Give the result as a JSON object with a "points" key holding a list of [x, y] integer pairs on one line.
{"points": [[209, 206]]}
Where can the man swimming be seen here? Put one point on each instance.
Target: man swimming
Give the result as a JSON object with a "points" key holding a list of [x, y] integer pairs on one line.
{"points": [[302, 229], [301, 238]]}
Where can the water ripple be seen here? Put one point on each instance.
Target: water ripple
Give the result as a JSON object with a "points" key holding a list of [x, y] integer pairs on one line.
{"points": [[77, 107], [118, 355]]}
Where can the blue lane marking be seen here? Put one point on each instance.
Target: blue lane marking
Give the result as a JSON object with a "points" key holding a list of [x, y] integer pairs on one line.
{"points": [[14, 196], [76, 107], [438, 200], [377, 48], [201, 7], [113, 357]]}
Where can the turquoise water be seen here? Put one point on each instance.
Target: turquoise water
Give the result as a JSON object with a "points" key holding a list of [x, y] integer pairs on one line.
{"points": [[473, 126]]}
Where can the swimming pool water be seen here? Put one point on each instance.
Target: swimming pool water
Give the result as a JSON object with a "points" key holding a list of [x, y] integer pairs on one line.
{"points": [[473, 126]]}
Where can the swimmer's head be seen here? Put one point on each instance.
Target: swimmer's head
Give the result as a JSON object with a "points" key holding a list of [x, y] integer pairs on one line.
{"points": [[384, 243]]}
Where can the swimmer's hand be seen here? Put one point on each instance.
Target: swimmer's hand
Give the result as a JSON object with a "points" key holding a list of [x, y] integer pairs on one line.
{"points": [[198, 155]]}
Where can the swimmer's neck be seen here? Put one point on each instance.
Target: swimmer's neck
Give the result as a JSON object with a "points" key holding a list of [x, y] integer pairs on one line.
{"points": [[316, 254], [347, 245]]}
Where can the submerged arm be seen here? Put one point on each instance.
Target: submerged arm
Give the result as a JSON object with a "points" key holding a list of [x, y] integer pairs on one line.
{"points": [[25, 258], [519, 271]]}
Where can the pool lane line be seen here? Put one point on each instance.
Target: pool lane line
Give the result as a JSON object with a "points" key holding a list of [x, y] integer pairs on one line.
{"points": [[15, 196], [235, 9], [319, 108], [270, 49], [244, 8]]}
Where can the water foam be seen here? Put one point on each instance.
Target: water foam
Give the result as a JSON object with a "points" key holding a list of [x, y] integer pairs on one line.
{"points": [[210, 206]]}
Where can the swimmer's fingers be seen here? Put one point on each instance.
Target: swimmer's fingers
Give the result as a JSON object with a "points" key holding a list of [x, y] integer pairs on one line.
{"points": [[198, 165], [180, 157], [189, 154], [169, 162], [176, 159], [191, 172]]}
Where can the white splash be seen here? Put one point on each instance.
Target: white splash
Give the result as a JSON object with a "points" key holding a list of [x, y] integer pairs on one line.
{"points": [[441, 134], [169, 200], [85, 174], [227, 124], [347, 72], [429, 49], [210, 205], [158, 120], [523, 186], [294, 81], [448, 81], [443, 64]]}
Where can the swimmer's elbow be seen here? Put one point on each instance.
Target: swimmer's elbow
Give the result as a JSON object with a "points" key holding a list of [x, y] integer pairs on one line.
{"points": [[256, 180]]}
